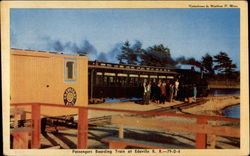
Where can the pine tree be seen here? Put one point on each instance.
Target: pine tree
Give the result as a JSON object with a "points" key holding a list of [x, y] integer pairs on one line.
{"points": [[224, 64], [207, 64]]}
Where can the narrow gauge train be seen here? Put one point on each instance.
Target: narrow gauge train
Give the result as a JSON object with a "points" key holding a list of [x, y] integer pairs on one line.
{"points": [[109, 80]]}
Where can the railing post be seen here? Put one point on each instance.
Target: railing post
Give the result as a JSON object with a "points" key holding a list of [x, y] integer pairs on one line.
{"points": [[36, 125], [82, 127], [201, 139]]}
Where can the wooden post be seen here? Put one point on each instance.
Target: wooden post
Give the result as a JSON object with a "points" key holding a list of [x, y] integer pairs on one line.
{"points": [[212, 141], [36, 125], [121, 131], [82, 136], [201, 139]]}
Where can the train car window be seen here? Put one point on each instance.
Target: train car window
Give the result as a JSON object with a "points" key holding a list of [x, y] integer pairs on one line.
{"points": [[144, 76], [162, 77], [109, 74], [133, 75], [137, 81], [99, 80], [153, 76], [132, 81], [121, 66], [170, 77], [70, 69], [105, 81], [111, 81], [122, 75], [99, 73], [122, 81]]}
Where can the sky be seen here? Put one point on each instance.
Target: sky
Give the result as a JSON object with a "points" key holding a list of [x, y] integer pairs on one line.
{"points": [[186, 32]]}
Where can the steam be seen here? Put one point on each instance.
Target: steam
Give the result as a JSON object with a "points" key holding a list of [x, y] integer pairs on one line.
{"points": [[46, 43]]}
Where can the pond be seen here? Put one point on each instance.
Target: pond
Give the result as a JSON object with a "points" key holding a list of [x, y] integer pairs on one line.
{"points": [[217, 92], [232, 111]]}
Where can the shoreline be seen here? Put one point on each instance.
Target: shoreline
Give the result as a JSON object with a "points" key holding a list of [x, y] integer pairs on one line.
{"points": [[215, 105], [221, 111]]}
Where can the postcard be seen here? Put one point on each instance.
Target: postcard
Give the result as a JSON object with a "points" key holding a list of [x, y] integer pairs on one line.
{"points": [[125, 77]]}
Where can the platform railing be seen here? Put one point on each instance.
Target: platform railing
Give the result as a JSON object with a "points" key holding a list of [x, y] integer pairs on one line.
{"points": [[82, 135]]}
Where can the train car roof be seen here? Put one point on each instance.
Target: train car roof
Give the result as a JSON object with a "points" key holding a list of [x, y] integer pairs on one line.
{"points": [[115, 66], [49, 52]]}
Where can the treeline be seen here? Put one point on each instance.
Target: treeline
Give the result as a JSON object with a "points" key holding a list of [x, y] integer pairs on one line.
{"points": [[219, 66]]}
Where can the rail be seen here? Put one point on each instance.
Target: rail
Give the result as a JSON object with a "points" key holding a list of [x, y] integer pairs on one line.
{"points": [[82, 127]]}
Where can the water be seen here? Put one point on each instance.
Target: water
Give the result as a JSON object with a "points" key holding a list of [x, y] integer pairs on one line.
{"points": [[217, 92], [123, 100], [232, 111]]}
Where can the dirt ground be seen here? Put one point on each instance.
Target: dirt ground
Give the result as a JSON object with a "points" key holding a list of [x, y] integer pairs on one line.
{"points": [[67, 138]]}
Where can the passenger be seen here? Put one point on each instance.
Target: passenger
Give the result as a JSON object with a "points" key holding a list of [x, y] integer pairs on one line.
{"points": [[153, 92], [176, 89], [163, 93], [167, 97], [148, 93], [195, 92], [181, 93], [158, 92], [186, 92], [171, 92], [190, 93], [144, 92]]}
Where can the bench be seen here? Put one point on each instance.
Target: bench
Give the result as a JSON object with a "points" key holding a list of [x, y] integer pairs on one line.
{"points": [[119, 143], [153, 124]]}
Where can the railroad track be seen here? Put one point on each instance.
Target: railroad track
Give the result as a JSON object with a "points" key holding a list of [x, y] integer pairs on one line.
{"points": [[105, 120], [181, 106]]}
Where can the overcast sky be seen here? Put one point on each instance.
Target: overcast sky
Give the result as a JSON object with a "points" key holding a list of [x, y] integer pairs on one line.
{"points": [[186, 32]]}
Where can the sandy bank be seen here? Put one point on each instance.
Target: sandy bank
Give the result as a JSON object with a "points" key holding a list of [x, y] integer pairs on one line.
{"points": [[214, 105]]}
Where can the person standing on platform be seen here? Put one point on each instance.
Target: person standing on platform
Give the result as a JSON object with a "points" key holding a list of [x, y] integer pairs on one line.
{"points": [[167, 90], [176, 89], [158, 92], [163, 93], [144, 92], [148, 93], [195, 92], [171, 92], [153, 92], [190, 93]]}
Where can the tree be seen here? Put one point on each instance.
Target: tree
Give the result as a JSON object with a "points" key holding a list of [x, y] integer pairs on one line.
{"points": [[158, 55], [207, 64], [224, 64], [194, 62], [129, 54]]}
